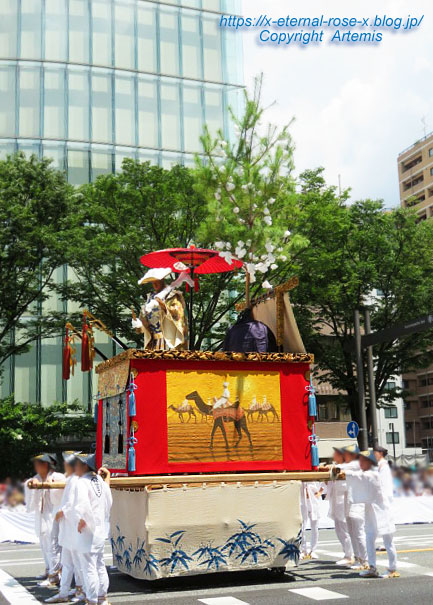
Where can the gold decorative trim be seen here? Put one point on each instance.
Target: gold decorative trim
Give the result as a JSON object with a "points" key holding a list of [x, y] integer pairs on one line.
{"points": [[175, 355], [114, 361]]}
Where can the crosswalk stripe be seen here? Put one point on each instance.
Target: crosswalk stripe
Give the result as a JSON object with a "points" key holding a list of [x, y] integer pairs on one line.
{"points": [[318, 594], [18, 562], [400, 564], [13, 592], [222, 601]]}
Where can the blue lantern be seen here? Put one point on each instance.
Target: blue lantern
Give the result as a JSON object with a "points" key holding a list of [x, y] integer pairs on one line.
{"points": [[132, 387], [95, 413], [312, 403]]}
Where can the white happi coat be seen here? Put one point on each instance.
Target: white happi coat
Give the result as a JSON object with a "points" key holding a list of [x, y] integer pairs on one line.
{"points": [[68, 523], [366, 488], [310, 503], [93, 504], [353, 509], [44, 503], [336, 496], [386, 480]]}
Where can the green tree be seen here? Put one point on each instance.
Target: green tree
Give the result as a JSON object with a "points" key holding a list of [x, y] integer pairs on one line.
{"points": [[251, 200], [250, 192], [29, 429], [356, 250], [119, 218], [35, 207]]}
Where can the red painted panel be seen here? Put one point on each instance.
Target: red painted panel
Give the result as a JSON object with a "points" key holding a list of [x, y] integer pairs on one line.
{"points": [[151, 403]]}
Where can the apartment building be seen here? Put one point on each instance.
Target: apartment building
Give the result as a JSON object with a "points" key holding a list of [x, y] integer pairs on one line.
{"points": [[415, 174]]}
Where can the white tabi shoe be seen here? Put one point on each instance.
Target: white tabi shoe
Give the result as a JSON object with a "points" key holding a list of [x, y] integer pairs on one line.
{"points": [[371, 572], [390, 574], [48, 584], [346, 562], [360, 565], [57, 599], [314, 555], [79, 595]]}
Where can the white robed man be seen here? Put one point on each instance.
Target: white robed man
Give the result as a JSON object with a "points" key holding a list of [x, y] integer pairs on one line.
{"points": [[385, 475], [311, 493], [366, 487], [354, 511], [44, 503], [337, 497], [67, 520], [92, 508], [162, 318]]}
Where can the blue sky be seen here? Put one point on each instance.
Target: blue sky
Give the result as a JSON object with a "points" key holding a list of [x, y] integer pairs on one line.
{"points": [[356, 106]]}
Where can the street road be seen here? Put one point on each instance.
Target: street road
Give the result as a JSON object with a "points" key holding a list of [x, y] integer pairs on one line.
{"points": [[311, 581]]}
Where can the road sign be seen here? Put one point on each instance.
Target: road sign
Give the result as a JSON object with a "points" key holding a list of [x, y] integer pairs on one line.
{"points": [[352, 429]]}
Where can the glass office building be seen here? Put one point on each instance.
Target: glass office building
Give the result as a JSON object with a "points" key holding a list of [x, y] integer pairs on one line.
{"points": [[90, 82]]}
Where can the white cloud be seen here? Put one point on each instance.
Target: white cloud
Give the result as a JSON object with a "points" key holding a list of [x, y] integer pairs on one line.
{"points": [[357, 106]]}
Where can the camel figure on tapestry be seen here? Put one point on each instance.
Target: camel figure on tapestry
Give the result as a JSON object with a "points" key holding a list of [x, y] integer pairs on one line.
{"points": [[233, 413]]}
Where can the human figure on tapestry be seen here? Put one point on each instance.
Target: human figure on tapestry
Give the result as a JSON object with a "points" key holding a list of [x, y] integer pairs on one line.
{"points": [[163, 319], [222, 401]]}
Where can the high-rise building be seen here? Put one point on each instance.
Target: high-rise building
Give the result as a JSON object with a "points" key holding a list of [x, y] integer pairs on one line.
{"points": [[415, 169], [90, 82], [415, 173]]}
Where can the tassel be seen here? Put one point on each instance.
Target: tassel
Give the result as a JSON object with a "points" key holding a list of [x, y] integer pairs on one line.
{"points": [[132, 410], [313, 438], [131, 399], [95, 413], [196, 284], [85, 357], [131, 453], [67, 357], [312, 403], [314, 456]]}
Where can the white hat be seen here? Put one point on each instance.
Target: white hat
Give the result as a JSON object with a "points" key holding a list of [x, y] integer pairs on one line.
{"points": [[154, 274]]}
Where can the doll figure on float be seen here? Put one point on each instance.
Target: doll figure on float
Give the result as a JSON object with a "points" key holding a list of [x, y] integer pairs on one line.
{"points": [[163, 318]]}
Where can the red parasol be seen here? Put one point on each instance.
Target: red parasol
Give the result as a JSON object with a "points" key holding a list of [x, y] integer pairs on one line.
{"points": [[197, 261]]}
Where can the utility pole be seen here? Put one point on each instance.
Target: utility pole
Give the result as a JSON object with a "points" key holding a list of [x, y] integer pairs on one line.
{"points": [[363, 434], [371, 381], [391, 426]]}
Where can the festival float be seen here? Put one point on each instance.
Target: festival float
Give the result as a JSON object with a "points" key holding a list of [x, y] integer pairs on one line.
{"points": [[206, 449]]}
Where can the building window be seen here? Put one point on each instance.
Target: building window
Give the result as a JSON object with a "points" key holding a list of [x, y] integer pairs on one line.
{"points": [[396, 437], [390, 385], [391, 412], [430, 152], [407, 405], [431, 171]]}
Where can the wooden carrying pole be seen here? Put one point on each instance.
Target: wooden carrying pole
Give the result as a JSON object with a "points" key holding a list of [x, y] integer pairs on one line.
{"points": [[132, 482]]}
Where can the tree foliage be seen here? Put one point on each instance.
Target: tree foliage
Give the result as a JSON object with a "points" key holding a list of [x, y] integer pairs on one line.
{"points": [[250, 192], [35, 206], [119, 218], [361, 255], [29, 429]]}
